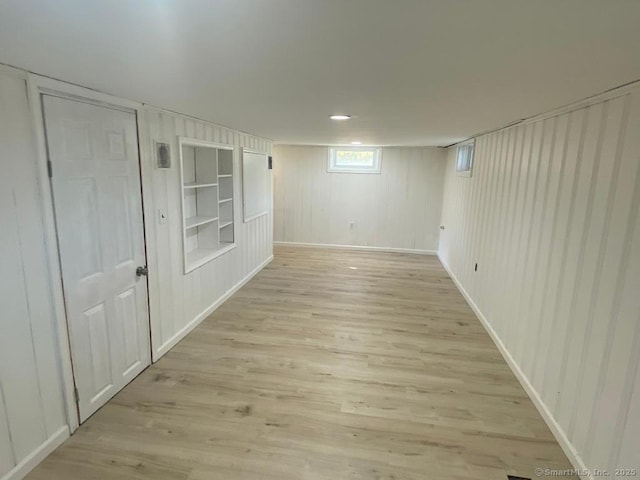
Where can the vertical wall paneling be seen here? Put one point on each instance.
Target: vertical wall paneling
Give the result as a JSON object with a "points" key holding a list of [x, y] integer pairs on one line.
{"points": [[611, 265], [625, 446], [543, 241], [621, 264], [563, 209], [178, 302], [398, 209], [32, 417], [573, 258], [551, 215], [7, 455], [33, 364], [512, 218]]}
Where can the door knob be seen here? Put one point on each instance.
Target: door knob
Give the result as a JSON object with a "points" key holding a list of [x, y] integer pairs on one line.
{"points": [[140, 271]]}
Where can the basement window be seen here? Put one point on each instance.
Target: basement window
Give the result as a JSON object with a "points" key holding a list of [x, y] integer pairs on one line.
{"points": [[464, 158], [354, 160]]}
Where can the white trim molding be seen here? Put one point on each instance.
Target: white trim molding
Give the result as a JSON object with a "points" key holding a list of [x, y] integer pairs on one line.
{"points": [[357, 247], [38, 85], [555, 428], [184, 331], [38, 455], [35, 88]]}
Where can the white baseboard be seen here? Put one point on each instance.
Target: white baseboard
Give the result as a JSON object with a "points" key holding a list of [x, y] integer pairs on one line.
{"points": [[551, 422], [358, 247], [184, 331], [38, 455]]}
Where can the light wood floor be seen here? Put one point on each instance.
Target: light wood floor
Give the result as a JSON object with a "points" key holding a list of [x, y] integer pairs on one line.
{"points": [[330, 364]]}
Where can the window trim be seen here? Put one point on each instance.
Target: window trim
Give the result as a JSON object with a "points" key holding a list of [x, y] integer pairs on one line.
{"points": [[466, 173], [375, 169]]}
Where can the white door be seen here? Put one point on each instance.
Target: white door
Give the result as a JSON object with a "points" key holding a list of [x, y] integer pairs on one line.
{"points": [[95, 177]]}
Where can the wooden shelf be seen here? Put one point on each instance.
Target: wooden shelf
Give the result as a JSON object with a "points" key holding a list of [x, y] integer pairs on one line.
{"points": [[197, 221], [207, 201], [200, 185]]}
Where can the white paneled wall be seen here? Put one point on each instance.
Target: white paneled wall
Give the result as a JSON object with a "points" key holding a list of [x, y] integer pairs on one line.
{"points": [[398, 209], [551, 216], [32, 407], [32, 418], [179, 302]]}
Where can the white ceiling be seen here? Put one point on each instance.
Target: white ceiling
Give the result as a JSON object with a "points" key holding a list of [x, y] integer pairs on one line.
{"points": [[410, 72]]}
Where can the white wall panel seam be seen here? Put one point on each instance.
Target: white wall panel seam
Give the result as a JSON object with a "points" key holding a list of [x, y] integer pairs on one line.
{"points": [[574, 297], [5, 413], [565, 248], [499, 236], [541, 244], [524, 268], [514, 271], [611, 197], [597, 278], [33, 347], [508, 225], [615, 313], [634, 366]]}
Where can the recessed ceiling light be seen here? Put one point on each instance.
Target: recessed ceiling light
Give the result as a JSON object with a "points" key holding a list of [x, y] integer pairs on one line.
{"points": [[356, 143], [340, 117]]}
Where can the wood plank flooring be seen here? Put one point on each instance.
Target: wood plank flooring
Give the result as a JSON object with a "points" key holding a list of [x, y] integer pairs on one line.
{"points": [[329, 364]]}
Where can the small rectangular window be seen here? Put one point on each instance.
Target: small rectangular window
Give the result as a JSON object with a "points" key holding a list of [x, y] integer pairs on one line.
{"points": [[354, 159], [464, 159]]}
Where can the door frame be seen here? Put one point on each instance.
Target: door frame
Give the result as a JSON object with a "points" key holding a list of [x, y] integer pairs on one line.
{"points": [[36, 86]]}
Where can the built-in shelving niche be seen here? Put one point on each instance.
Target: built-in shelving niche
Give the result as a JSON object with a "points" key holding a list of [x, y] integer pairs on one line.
{"points": [[207, 201]]}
